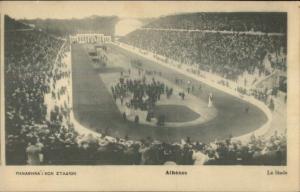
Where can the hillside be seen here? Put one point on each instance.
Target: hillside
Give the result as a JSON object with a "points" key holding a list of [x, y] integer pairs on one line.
{"points": [[12, 24], [63, 27]]}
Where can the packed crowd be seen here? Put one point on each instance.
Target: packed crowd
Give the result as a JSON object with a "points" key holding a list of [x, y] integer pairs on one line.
{"points": [[143, 94], [228, 55], [29, 76], [72, 148], [28, 70], [33, 66], [263, 22]]}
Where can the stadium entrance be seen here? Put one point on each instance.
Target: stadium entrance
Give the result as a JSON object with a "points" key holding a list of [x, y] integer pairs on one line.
{"points": [[90, 38]]}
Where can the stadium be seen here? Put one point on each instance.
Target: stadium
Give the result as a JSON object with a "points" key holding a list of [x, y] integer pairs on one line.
{"points": [[185, 89]]}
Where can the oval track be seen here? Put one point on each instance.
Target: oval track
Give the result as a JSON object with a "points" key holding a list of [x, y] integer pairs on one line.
{"points": [[95, 108]]}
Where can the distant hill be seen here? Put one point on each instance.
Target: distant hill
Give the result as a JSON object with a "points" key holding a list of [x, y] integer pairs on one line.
{"points": [[146, 21], [63, 27], [12, 24]]}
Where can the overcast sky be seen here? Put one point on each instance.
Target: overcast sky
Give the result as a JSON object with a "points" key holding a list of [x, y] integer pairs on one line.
{"points": [[68, 9], [77, 9]]}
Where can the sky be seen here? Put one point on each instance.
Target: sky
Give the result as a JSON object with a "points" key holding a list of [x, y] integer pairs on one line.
{"points": [[127, 9], [77, 9], [125, 26]]}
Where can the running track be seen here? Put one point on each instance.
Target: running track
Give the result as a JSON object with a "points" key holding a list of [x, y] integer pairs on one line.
{"points": [[94, 107]]}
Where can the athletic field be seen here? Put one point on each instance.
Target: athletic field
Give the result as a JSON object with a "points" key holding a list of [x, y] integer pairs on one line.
{"points": [[94, 107]]}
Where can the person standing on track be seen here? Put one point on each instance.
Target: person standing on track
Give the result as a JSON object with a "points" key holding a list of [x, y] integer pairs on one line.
{"points": [[210, 100]]}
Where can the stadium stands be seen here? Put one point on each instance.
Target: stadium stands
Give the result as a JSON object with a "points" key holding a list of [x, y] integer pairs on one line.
{"points": [[263, 22], [33, 65], [228, 55], [244, 48]]}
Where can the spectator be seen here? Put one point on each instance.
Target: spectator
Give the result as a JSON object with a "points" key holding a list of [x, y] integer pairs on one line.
{"points": [[33, 151]]}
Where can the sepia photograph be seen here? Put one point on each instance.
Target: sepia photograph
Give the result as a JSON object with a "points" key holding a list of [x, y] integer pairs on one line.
{"points": [[186, 88], [143, 84]]}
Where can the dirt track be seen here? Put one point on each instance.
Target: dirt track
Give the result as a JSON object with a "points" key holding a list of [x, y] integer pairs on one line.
{"points": [[95, 108]]}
